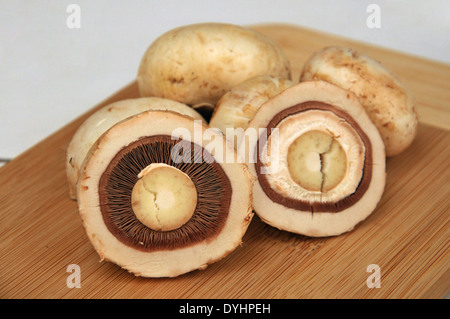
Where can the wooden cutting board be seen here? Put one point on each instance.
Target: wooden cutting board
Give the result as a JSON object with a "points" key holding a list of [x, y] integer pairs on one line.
{"points": [[407, 236]]}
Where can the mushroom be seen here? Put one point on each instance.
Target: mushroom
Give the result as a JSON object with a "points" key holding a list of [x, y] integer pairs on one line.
{"points": [[319, 162], [387, 101], [156, 199], [97, 123], [238, 106], [196, 64]]}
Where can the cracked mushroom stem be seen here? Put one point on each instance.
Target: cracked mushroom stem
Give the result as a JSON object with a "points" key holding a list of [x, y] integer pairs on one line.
{"points": [[316, 161], [164, 198]]}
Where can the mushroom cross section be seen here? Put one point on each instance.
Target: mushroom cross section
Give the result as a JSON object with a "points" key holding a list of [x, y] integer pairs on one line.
{"points": [[323, 171], [154, 211], [308, 162]]}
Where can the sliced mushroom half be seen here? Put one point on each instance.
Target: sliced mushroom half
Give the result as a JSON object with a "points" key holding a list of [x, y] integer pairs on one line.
{"points": [[318, 159], [156, 198]]}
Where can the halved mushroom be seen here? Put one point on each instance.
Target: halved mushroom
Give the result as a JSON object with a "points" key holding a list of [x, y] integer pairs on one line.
{"points": [[196, 64], [96, 124], [319, 160], [387, 101], [238, 106], [157, 199]]}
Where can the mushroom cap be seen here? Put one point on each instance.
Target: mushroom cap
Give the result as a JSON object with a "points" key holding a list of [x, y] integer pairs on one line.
{"points": [[196, 64], [167, 262], [386, 100], [314, 221], [96, 124], [238, 106]]}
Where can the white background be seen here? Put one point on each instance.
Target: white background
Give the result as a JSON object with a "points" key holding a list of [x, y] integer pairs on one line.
{"points": [[50, 74]]}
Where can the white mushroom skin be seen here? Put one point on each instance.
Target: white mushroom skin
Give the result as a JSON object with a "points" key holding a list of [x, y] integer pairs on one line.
{"points": [[238, 106], [386, 100], [100, 121], [196, 64]]}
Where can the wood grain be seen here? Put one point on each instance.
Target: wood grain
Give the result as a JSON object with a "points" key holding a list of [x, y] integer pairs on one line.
{"points": [[407, 235]]}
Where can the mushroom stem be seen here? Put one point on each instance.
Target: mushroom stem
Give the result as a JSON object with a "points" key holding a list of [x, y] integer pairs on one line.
{"points": [[164, 198], [316, 161]]}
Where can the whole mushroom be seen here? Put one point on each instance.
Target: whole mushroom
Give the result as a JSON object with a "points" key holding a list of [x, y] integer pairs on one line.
{"points": [[387, 101], [196, 64], [237, 107]]}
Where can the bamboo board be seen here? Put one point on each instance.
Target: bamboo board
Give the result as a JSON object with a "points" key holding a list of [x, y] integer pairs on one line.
{"points": [[406, 236]]}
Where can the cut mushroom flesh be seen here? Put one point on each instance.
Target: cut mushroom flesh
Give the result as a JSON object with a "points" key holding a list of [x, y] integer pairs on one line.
{"points": [[114, 205], [326, 163], [121, 178]]}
